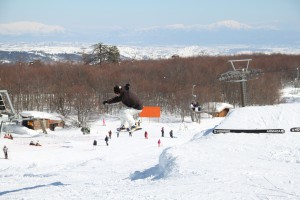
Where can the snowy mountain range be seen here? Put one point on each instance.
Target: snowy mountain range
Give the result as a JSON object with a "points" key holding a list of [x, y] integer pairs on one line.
{"points": [[51, 51]]}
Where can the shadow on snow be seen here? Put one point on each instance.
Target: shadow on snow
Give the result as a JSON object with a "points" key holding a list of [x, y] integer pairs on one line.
{"points": [[32, 188]]}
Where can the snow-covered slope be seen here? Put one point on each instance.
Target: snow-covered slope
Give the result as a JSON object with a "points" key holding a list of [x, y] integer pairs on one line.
{"points": [[196, 164]]}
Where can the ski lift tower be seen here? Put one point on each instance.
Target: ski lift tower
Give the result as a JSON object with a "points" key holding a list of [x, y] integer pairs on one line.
{"points": [[241, 75], [3, 109]]}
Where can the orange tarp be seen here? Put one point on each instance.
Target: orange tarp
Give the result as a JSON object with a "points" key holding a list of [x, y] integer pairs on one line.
{"points": [[150, 111]]}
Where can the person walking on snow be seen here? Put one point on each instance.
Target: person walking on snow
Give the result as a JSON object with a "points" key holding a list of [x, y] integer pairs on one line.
{"points": [[106, 140], [158, 142], [94, 144], [171, 134], [109, 134], [131, 101], [162, 132], [5, 150], [146, 135]]}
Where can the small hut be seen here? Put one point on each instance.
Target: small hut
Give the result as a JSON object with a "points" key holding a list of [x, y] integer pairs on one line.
{"points": [[41, 120]]}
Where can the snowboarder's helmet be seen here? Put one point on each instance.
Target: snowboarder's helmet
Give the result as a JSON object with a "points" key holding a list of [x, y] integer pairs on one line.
{"points": [[117, 89]]}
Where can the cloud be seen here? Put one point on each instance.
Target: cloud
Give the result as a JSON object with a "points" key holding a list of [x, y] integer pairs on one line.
{"points": [[27, 27], [229, 24]]}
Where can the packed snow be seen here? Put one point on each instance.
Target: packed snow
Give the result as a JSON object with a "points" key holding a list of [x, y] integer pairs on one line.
{"points": [[195, 164], [263, 117]]}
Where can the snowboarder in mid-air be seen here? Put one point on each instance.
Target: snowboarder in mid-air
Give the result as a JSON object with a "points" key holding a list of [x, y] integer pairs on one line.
{"points": [[133, 106]]}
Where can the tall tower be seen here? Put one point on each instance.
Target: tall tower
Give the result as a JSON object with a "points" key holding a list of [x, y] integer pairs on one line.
{"points": [[241, 75]]}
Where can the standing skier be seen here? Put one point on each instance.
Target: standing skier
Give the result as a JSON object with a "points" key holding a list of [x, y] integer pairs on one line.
{"points": [[94, 144], [5, 150], [158, 142], [171, 134], [162, 132], [106, 140], [146, 135], [131, 101]]}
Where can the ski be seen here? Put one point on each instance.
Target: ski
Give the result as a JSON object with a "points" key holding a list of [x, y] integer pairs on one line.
{"points": [[129, 131]]}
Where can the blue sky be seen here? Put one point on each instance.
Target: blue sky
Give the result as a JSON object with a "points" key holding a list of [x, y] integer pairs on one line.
{"points": [[165, 22]]}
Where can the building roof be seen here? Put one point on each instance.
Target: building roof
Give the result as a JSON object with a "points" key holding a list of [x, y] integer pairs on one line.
{"points": [[40, 115]]}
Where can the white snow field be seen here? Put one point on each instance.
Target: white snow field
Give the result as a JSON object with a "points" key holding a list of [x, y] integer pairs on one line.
{"points": [[196, 164]]}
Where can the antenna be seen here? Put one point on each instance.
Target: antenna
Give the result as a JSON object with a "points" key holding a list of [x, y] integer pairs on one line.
{"points": [[242, 75]]}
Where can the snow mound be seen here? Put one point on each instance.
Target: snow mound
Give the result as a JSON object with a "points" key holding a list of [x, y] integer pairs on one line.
{"points": [[290, 95], [285, 116], [168, 164], [20, 131]]}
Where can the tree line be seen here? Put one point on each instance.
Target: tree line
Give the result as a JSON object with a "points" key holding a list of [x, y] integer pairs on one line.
{"points": [[80, 89]]}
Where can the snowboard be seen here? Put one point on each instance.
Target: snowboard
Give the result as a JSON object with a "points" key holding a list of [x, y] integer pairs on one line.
{"points": [[132, 130]]}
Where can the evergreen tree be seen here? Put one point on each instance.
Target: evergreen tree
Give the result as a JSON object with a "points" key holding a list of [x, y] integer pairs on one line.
{"points": [[102, 54]]}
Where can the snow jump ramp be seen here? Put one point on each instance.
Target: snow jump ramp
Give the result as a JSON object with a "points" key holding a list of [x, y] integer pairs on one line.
{"points": [[281, 118]]}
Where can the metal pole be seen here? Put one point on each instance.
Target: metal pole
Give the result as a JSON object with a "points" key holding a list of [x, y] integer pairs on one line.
{"points": [[244, 93]]}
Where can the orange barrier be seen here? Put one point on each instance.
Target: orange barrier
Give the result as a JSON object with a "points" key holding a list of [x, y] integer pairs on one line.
{"points": [[150, 111]]}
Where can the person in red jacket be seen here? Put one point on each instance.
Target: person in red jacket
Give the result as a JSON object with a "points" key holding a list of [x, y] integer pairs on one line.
{"points": [[131, 101], [158, 142], [146, 135]]}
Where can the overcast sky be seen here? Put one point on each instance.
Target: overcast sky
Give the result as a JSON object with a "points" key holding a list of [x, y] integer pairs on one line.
{"points": [[172, 22]]}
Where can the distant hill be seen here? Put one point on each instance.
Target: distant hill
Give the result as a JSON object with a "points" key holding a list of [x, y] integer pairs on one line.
{"points": [[29, 56], [64, 52]]}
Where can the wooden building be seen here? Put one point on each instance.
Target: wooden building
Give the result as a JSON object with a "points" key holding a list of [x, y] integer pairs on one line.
{"points": [[40, 120]]}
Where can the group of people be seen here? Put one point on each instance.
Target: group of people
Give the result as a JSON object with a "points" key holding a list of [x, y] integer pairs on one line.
{"points": [[163, 133], [106, 139], [34, 144], [8, 136], [195, 106], [5, 148]]}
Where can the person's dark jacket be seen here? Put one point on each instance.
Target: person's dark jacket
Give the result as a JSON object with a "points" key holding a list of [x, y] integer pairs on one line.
{"points": [[128, 98]]}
